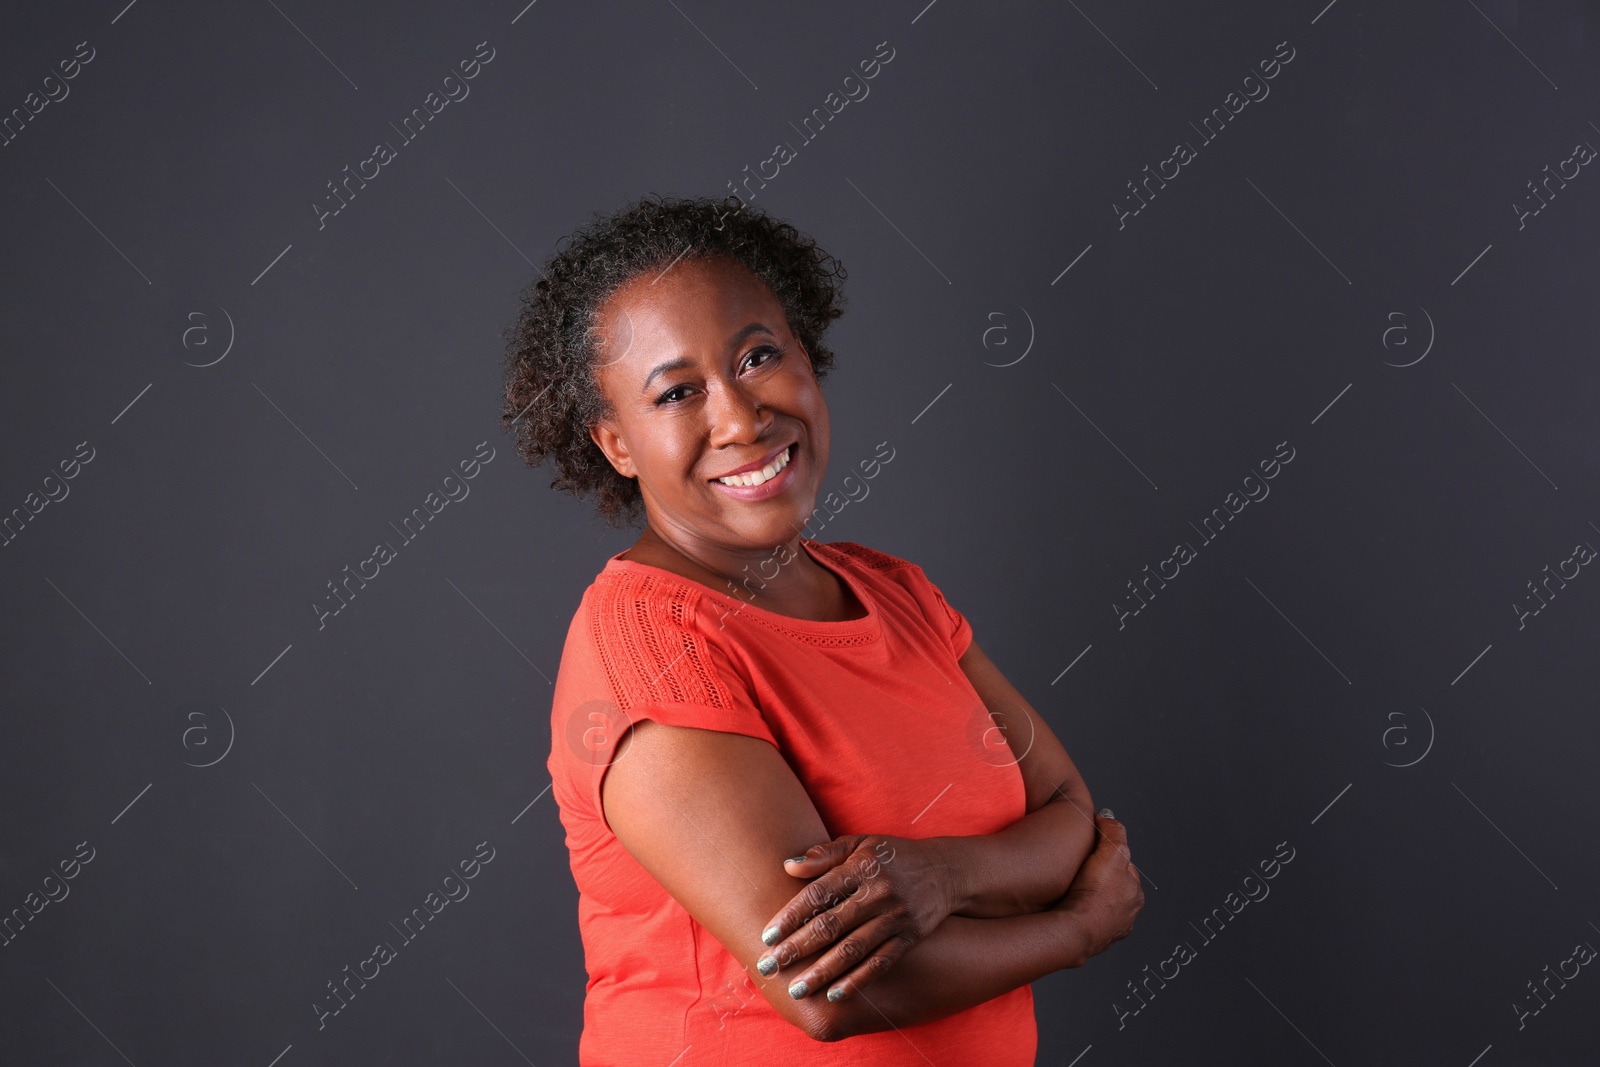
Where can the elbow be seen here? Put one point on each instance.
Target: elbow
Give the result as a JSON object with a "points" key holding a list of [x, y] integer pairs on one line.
{"points": [[823, 1024]]}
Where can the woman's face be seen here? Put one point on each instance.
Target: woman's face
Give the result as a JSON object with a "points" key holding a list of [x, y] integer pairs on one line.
{"points": [[704, 379]]}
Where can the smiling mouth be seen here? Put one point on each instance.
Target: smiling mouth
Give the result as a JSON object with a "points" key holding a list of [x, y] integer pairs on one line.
{"points": [[765, 474]]}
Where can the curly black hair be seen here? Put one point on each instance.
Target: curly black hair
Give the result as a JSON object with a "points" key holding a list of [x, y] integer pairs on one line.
{"points": [[551, 394]]}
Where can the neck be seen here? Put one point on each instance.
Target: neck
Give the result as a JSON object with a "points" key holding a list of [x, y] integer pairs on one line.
{"points": [[772, 576]]}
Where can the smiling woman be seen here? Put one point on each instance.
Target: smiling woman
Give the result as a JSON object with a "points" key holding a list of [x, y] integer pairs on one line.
{"points": [[765, 804]]}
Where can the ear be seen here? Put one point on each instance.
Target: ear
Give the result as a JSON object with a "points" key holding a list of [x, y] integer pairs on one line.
{"points": [[612, 446]]}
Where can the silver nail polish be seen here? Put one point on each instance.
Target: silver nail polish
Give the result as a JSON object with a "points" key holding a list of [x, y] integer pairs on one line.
{"points": [[766, 965], [797, 990], [835, 994], [770, 935]]}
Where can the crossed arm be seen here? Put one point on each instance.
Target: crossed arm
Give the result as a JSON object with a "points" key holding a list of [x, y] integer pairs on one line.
{"points": [[712, 816]]}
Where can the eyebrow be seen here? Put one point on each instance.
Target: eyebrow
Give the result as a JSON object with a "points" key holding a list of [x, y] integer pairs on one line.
{"points": [[681, 362]]}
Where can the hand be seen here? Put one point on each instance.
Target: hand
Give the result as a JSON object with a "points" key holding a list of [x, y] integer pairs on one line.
{"points": [[1106, 894], [875, 896]]}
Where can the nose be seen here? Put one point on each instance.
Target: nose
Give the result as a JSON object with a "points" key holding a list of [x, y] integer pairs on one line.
{"points": [[736, 415]]}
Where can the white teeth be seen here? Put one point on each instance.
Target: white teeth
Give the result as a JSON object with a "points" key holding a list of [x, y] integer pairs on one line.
{"points": [[757, 477]]}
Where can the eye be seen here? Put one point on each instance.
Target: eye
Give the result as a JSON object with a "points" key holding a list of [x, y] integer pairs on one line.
{"points": [[765, 350], [669, 396]]}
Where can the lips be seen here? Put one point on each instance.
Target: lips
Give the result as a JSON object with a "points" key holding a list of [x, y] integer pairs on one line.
{"points": [[756, 465]]}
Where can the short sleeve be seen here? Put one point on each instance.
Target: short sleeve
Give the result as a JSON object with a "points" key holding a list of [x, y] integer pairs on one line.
{"points": [[656, 662], [954, 624]]}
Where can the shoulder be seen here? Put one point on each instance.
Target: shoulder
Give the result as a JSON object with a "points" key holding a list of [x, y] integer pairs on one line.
{"points": [[860, 557], [654, 638], [889, 572]]}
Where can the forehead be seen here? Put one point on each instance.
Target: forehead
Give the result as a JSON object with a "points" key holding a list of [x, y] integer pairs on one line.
{"points": [[688, 304]]}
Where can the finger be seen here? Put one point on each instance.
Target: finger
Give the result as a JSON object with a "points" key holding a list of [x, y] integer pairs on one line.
{"points": [[869, 949], [827, 925], [810, 919], [818, 858], [814, 862], [1113, 835]]}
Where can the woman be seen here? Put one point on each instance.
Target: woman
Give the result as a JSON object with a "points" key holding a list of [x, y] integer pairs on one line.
{"points": [[801, 804]]}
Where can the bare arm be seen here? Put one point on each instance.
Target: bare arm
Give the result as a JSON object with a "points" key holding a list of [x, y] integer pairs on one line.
{"points": [[712, 815], [1028, 865]]}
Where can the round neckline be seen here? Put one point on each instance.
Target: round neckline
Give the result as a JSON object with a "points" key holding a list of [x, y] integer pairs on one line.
{"points": [[868, 624]]}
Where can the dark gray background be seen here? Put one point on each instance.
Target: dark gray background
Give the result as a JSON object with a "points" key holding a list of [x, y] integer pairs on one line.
{"points": [[1359, 617]]}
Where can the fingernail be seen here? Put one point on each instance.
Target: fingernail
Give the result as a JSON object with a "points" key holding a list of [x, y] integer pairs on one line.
{"points": [[1106, 813], [770, 935], [795, 859], [835, 993], [797, 990], [766, 965]]}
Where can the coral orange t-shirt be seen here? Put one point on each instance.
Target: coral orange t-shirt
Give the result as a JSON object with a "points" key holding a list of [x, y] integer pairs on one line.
{"points": [[879, 724]]}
